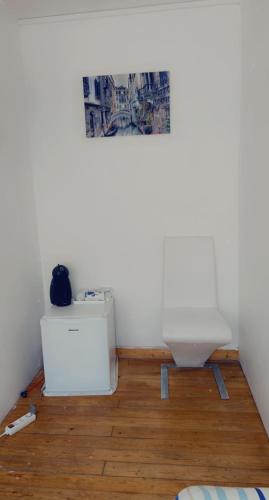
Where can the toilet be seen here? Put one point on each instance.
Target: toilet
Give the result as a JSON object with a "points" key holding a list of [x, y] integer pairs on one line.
{"points": [[192, 325]]}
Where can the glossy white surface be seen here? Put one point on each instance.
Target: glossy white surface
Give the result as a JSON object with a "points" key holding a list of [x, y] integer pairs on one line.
{"points": [[196, 325], [188, 354], [194, 332], [189, 272]]}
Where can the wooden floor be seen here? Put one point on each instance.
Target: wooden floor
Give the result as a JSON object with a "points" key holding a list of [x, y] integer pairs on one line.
{"points": [[134, 446]]}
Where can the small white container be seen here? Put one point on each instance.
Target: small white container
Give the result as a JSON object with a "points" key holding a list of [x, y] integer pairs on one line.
{"points": [[79, 350]]}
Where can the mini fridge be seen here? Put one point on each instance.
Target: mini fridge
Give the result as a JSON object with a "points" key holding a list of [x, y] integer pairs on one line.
{"points": [[79, 349]]}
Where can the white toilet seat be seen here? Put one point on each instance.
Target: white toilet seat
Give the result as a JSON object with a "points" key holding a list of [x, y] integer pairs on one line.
{"points": [[199, 324]]}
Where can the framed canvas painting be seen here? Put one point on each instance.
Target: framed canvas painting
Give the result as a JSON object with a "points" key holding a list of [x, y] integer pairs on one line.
{"points": [[128, 104]]}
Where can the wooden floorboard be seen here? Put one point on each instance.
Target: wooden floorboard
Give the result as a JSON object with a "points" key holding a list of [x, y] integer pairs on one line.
{"points": [[132, 445]]}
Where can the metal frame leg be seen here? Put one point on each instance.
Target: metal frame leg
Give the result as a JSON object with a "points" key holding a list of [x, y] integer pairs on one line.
{"points": [[164, 382], [219, 380], [214, 367]]}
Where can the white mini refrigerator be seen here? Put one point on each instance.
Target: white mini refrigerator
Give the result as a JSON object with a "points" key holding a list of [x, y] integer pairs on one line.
{"points": [[79, 349]]}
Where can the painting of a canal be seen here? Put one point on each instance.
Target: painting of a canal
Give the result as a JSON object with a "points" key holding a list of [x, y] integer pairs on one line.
{"points": [[130, 104]]}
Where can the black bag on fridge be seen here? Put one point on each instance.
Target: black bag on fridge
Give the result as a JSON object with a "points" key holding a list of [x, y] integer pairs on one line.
{"points": [[60, 288]]}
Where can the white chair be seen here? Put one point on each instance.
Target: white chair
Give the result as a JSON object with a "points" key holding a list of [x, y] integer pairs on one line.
{"points": [[192, 326]]}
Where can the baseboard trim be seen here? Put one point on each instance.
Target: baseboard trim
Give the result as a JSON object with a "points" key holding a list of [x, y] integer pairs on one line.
{"points": [[222, 355]]}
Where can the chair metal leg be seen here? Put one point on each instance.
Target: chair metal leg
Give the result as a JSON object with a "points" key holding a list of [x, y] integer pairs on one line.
{"points": [[214, 367], [164, 382], [219, 380]]}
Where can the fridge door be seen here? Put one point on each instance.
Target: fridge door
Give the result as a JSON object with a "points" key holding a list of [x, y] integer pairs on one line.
{"points": [[76, 355]]}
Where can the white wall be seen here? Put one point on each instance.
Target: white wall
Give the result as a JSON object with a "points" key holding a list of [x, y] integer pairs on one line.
{"points": [[104, 205], [25, 9], [254, 203], [20, 270]]}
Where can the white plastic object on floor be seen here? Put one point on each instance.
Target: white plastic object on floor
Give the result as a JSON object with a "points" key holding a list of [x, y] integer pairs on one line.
{"points": [[19, 424], [192, 325], [79, 350]]}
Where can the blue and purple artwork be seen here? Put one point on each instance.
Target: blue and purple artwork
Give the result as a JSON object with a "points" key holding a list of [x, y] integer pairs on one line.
{"points": [[130, 104]]}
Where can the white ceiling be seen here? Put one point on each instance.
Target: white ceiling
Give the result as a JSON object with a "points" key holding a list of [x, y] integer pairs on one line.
{"points": [[25, 9]]}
